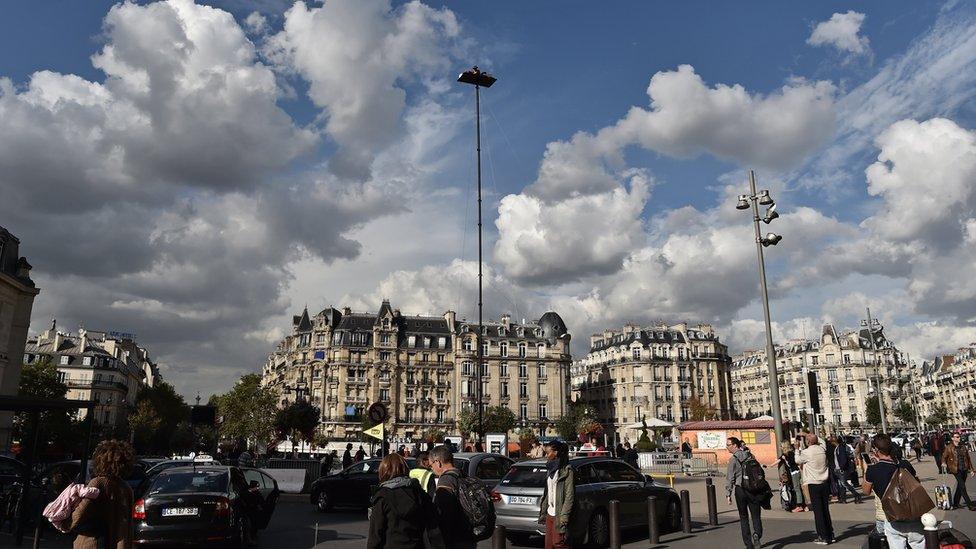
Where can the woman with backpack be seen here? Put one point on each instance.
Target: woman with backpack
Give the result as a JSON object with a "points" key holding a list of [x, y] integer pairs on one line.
{"points": [[558, 496], [401, 513], [106, 521]]}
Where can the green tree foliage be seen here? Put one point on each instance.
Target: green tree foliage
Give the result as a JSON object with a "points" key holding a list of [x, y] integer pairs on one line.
{"points": [[577, 417], [905, 412], [297, 421], [644, 443], [700, 411], [970, 413], [162, 410], [940, 415], [497, 419], [873, 411], [246, 411], [59, 430]]}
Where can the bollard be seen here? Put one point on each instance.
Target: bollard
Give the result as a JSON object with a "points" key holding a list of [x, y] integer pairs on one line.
{"points": [[498, 540], [614, 524], [686, 511], [931, 525], [653, 530], [712, 504], [316, 534]]}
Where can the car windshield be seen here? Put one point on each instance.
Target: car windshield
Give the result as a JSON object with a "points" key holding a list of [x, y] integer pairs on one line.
{"points": [[525, 477], [181, 482]]}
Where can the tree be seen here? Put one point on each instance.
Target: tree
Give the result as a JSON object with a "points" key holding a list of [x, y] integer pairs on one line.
{"points": [[940, 415], [578, 415], [143, 423], [169, 409], [497, 419], [700, 411], [59, 430], [245, 411], [970, 413], [297, 421], [873, 411], [905, 412]]}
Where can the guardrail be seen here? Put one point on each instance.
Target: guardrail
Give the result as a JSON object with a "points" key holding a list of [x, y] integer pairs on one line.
{"points": [[674, 463], [312, 467]]}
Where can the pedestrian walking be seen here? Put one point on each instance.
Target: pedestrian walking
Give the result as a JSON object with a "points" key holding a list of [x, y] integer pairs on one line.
{"points": [[813, 459], [360, 454], [326, 464], [900, 534], [455, 526], [917, 447], [844, 470], [746, 503], [558, 496], [686, 449], [106, 521], [347, 456], [423, 475], [960, 465], [401, 515], [789, 476], [937, 449], [631, 456]]}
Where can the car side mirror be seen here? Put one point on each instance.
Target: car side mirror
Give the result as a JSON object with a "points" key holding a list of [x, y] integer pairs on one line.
{"points": [[648, 479], [253, 485]]}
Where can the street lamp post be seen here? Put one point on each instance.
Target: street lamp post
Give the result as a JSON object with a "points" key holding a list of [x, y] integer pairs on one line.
{"points": [[870, 323], [479, 80], [771, 239]]}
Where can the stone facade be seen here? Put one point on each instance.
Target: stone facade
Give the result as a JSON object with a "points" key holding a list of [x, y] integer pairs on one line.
{"points": [[17, 292], [948, 380], [106, 368], [422, 367], [655, 369], [844, 366]]}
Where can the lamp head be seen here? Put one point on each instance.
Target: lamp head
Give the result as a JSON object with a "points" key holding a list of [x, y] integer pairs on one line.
{"points": [[771, 214], [743, 203], [771, 239], [764, 198], [477, 77]]}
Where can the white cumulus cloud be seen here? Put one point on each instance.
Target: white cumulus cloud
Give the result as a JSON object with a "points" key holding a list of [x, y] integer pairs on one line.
{"points": [[841, 31]]}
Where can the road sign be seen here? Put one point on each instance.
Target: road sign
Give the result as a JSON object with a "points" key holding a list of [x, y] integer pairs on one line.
{"points": [[375, 432], [378, 413]]}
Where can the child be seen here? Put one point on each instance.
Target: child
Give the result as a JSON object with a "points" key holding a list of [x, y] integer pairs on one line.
{"points": [[59, 511]]}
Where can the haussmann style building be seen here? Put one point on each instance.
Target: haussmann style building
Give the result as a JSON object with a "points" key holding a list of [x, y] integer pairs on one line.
{"points": [[421, 367]]}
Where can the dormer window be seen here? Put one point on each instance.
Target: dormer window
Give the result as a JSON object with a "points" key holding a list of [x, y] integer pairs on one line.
{"points": [[386, 323], [501, 331], [464, 329]]}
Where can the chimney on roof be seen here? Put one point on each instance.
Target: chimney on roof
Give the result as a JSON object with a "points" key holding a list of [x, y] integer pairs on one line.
{"points": [[450, 317], [595, 338], [346, 311], [507, 320]]}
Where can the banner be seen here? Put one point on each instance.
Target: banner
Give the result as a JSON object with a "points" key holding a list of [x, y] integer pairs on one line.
{"points": [[376, 432], [711, 440]]}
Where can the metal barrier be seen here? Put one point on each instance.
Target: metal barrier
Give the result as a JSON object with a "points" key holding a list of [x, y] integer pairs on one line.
{"points": [[673, 463], [312, 467]]}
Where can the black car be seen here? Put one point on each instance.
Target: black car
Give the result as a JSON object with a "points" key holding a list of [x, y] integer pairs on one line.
{"points": [[205, 504], [60, 474], [351, 487], [157, 467]]}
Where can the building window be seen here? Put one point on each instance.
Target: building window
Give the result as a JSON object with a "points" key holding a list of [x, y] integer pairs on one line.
{"points": [[523, 390], [409, 414], [813, 360], [504, 388], [636, 354], [62, 377], [502, 349], [385, 355], [522, 350], [523, 370], [442, 343], [542, 411], [385, 395], [440, 416], [524, 411], [64, 359], [385, 375], [411, 341], [485, 348], [467, 344], [87, 361], [466, 368], [542, 370], [542, 350]]}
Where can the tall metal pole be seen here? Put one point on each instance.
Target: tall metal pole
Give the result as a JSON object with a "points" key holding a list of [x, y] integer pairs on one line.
{"points": [[874, 351], [770, 350], [481, 424]]}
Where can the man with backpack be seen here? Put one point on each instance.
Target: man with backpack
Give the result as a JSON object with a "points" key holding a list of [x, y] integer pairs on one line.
{"points": [[813, 459], [900, 534], [744, 481], [464, 508]]}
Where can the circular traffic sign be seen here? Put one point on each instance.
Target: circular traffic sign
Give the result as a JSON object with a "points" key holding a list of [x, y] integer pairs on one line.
{"points": [[377, 412]]}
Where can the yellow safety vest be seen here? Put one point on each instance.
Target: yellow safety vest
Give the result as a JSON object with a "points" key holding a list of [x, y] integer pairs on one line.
{"points": [[422, 476]]}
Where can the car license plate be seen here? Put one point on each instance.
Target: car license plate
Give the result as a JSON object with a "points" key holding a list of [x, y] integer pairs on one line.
{"points": [[181, 512], [521, 500]]}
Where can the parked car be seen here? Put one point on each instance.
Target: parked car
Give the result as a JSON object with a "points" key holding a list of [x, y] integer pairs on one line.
{"points": [[489, 468], [163, 465], [205, 504], [351, 487], [598, 481], [70, 471]]}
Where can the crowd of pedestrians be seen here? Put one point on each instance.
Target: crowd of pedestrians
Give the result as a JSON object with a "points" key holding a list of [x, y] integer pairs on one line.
{"points": [[430, 505]]}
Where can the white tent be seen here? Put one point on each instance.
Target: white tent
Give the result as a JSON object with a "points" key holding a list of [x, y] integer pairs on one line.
{"points": [[653, 423], [762, 418]]}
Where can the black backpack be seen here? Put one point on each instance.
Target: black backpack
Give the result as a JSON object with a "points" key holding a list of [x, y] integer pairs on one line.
{"points": [[478, 508], [753, 476]]}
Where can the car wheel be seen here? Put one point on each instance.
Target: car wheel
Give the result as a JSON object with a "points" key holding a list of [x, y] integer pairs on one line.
{"points": [[598, 530], [323, 501], [673, 517]]}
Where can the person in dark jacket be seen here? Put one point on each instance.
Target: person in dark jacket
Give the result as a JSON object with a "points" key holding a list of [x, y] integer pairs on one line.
{"points": [[558, 496], [401, 515], [844, 470], [456, 529], [347, 456]]}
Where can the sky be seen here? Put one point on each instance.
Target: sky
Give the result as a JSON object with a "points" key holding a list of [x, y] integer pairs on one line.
{"points": [[196, 173]]}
